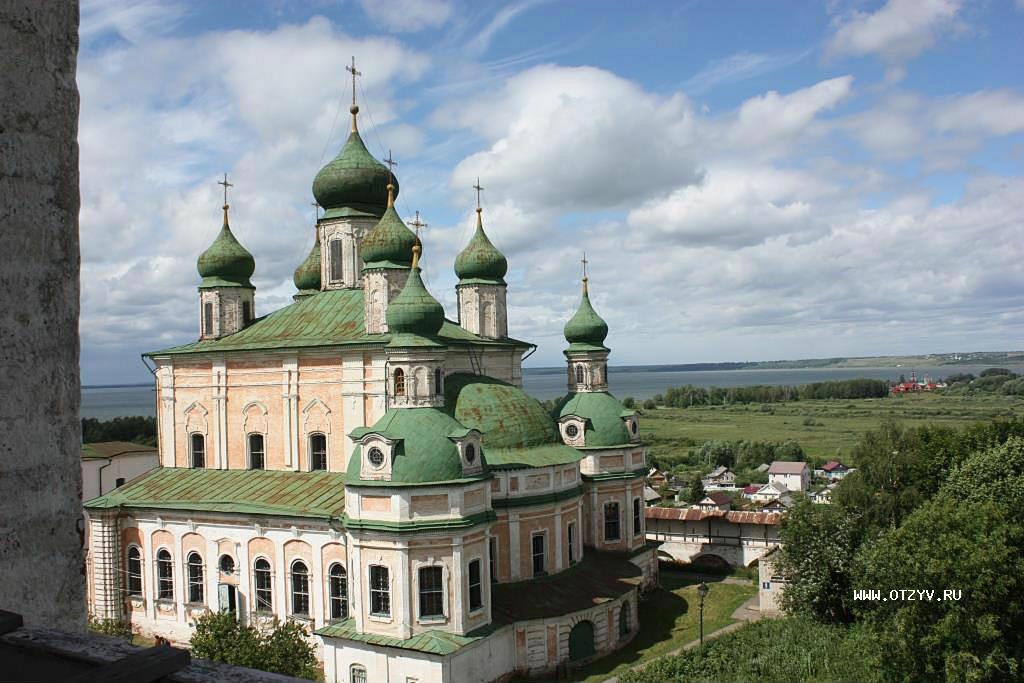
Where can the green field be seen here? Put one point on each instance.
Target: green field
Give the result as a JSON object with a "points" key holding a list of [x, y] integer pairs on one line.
{"points": [[824, 428]]}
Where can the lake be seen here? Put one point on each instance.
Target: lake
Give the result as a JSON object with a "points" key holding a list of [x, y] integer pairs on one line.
{"points": [[105, 403]]}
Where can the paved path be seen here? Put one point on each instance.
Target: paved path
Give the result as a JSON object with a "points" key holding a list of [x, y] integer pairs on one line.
{"points": [[746, 613]]}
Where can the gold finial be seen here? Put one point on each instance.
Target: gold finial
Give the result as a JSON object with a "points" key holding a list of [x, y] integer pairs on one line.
{"points": [[585, 262], [416, 251], [354, 109], [391, 179], [226, 185]]}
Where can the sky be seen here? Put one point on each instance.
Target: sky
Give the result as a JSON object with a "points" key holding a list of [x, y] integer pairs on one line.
{"points": [[748, 180]]}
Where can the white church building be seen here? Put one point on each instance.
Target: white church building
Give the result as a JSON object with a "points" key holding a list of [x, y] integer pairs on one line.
{"points": [[359, 463]]}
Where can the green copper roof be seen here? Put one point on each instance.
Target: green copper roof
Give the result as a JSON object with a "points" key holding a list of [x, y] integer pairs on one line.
{"points": [[389, 243], [414, 316], [517, 431], [258, 492], [353, 183], [329, 318], [604, 415], [307, 275], [586, 330], [434, 642], [425, 453], [226, 263], [480, 261]]}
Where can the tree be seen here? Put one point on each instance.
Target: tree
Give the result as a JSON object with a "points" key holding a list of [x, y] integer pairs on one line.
{"points": [[649, 404], [628, 402], [281, 649], [696, 490], [816, 556]]}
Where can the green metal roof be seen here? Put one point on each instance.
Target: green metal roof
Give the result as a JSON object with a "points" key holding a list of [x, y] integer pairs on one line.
{"points": [[481, 261], [330, 318], [606, 426], [517, 431], [586, 330], [104, 450], [353, 183], [439, 643], [426, 452], [226, 263], [259, 492]]}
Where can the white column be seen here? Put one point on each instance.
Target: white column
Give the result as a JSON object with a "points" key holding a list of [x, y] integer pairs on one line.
{"points": [[280, 581], [317, 579], [356, 582], [403, 585], [513, 545], [290, 420], [220, 400], [457, 600], [212, 576], [594, 515], [558, 536], [243, 566], [165, 382]]}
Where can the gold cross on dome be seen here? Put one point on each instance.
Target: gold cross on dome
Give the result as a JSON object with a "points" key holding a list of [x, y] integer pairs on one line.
{"points": [[478, 189], [352, 70], [417, 224], [391, 164], [226, 185]]}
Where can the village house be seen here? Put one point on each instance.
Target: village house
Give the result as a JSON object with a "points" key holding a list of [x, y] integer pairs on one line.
{"points": [[720, 478], [795, 476], [768, 492], [834, 470], [714, 501]]}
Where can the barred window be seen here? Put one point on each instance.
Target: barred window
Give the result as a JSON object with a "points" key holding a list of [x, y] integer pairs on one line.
{"points": [[399, 382], [195, 577], [358, 674], [164, 576], [476, 594], [300, 588], [134, 571], [380, 591], [624, 620], [431, 592], [208, 318], [338, 590], [264, 590], [317, 451]]}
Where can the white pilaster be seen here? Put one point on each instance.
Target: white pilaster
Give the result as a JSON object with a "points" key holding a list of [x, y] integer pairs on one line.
{"points": [[280, 582], [403, 586], [558, 536], [220, 406], [458, 601]]}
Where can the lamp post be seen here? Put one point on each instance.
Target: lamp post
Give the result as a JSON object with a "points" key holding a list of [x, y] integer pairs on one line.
{"points": [[702, 591]]}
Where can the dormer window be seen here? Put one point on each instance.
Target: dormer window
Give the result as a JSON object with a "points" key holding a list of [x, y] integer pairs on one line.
{"points": [[572, 431], [470, 453]]}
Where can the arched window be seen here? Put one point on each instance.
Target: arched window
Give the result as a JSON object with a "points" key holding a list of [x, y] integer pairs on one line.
{"points": [[264, 592], [338, 591], [227, 564], [317, 451], [134, 571], [198, 445], [300, 589], [195, 578], [257, 460], [438, 376], [358, 674], [399, 382], [579, 374], [246, 312], [624, 620], [335, 270], [208, 318], [164, 575]]}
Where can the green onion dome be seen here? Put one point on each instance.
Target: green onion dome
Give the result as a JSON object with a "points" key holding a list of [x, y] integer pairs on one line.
{"points": [[307, 275], [389, 244], [353, 183], [586, 329], [226, 263], [480, 260], [414, 312]]}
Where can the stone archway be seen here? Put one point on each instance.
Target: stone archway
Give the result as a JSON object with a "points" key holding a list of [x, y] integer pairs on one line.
{"points": [[710, 560], [581, 641]]}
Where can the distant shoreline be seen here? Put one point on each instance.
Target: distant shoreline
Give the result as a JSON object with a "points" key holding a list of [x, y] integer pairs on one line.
{"points": [[987, 358]]}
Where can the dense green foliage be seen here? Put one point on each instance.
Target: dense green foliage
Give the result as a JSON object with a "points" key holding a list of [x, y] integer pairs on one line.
{"points": [[138, 429], [689, 395], [772, 650], [282, 649], [989, 381], [111, 627]]}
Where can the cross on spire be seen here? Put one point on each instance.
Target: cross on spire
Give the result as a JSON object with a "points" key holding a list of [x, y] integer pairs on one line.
{"points": [[417, 224], [585, 262], [352, 70], [226, 185], [478, 189], [391, 164]]}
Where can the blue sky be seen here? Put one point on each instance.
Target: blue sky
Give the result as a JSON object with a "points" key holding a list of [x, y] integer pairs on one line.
{"points": [[750, 180]]}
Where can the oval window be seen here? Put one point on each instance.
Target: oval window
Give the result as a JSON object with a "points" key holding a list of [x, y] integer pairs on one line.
{"points": [[633, 427], [470, 452], [376, 457], [572, 431]]}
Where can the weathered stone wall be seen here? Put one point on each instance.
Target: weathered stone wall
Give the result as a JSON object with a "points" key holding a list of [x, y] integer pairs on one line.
{"points": [[40, 435]]}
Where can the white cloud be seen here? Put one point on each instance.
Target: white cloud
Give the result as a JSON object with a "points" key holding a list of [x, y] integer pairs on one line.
{"points": [[900, 30], [739, 67], [991, 112], [408, 15], [482, 40], [134, 21]]}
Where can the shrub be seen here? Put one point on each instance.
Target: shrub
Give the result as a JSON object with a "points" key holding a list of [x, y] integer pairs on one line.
{"points": [[283, 648]]}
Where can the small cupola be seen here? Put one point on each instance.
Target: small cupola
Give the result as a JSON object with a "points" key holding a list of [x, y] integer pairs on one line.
{"points": [[414, 313], [226, 263], [307, 275], [389, 244], [587, 355], [482, 292], [480, 261], [586, 329]]}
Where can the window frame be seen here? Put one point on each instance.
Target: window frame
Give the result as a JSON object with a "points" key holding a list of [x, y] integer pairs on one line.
{"points": [[380, 595], [195, 578], [192, 450], [220, 564], [475, 588], [314, 452], [164, 584], [492, 557], [336, 261], [638, 517], [207, 317], [398, 384], [570, 533], [299, 586], [133, 556], [263, 595], [431, 592], [542, 554], [262, 451], [339, 598], [580, 374], [615, 521], [246, 313], [357, 670]]}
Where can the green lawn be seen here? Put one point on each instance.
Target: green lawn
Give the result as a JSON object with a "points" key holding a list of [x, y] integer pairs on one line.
{"points": [[824, 428], [669, 619]]}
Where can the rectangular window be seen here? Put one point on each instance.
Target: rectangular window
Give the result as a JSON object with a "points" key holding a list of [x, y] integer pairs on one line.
{"points": [[572, 542], [256, 459], [431, 592], [119, 482], [164, 576], [380, 591], [208, 318], [493, 558], [611, 521], [264, 583], [638, 522], [476, 594], [134, 571], [198, 444], [336, 261], [317, 452], [538, 555], [246, 312]]}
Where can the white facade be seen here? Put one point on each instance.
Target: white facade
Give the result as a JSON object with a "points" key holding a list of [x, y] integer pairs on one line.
{"points": [[101, 475]]}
